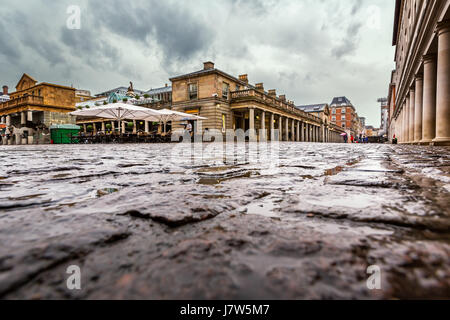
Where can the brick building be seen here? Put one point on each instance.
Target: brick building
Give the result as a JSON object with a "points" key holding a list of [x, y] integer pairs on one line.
{"points": [[343, 114]]}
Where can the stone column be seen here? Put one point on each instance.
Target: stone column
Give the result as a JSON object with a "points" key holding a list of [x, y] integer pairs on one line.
{"points": [[103, 126], [8, 120], [30, 115], [123, 126], [263, 126], [286, 127], [405, 122], [23, 118], [146, 127], [418, 110], [251, 121], [94, 125], [113, 126], [400, 117], [272, 127], [280, 127], [412, 99], [429, 99], [292, 130], [298, 131], [443, 85], [251, 118], [84, 128], [302, 131], [308, 132], [407, 119]]}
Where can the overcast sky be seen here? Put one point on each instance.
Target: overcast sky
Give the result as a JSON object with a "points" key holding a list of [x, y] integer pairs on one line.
{"points": [[310, 50]]}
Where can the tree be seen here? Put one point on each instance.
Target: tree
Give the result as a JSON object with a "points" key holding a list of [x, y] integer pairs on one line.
{"points": [[125, 100], [90, 128]]}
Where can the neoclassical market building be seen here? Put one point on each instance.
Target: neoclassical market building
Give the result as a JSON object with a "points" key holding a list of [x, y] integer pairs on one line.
{"points": [[419, 92]]}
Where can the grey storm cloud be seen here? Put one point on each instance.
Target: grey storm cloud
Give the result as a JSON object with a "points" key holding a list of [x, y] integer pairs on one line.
{"points": [[175, 28], [310, 50]]}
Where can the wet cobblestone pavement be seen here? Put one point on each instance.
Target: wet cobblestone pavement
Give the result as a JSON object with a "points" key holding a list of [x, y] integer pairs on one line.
{"points": [[140, 226]]}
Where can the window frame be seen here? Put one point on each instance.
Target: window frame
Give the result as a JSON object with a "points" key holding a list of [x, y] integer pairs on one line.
{"points": [[189, 92], [227, 96]]}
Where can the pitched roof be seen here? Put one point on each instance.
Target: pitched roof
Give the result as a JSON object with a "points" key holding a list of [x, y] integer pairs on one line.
{"points": [[159, 90], [118, 90], [341, 101], [313, 107], [212, 70], [26, 76]]}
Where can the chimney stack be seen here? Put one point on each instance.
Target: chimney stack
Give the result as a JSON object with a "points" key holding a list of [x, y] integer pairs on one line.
{"points": [[208, 65], [166, 85], [283, 98], [273, 93], [260, 86], [243, 78], [5, 90]]}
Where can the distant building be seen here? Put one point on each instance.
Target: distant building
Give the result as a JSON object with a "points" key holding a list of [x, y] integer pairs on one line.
{"points": [[83, 95], [321, 111], [384, 117], [344, 115], [362, 121], [36, 106], [122, 91]]}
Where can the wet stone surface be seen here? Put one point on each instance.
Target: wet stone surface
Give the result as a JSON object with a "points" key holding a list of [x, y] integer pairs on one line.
{"points": [[141, 226]]}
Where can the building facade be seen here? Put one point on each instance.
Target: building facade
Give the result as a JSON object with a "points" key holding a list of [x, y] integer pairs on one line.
{"points": [[321, 110], [419, 92], [343, 114], [34, 107], [231, 103]]}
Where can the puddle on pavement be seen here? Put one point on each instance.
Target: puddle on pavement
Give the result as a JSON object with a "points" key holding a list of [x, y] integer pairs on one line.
{"points": [[218, 179], [106, 191], [334, 171], [354, 201], [265, 208], [32, 196]]}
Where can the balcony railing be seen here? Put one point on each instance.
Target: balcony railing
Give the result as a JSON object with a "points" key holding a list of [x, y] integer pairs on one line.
{"points": [[272, 101], [22, 101]]}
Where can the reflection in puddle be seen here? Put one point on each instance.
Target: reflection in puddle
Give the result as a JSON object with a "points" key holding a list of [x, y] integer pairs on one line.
{"points": [[354, 201], [106, 191], [217, 179], [334, 171], [32, 196], [265, 209]]}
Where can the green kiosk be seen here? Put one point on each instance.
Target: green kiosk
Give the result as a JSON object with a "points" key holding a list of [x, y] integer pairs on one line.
{"points": [[62, 133]]}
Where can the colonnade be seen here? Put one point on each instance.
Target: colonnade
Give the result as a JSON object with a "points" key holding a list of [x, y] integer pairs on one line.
{"points": [[424, 117], [291, 129]]}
